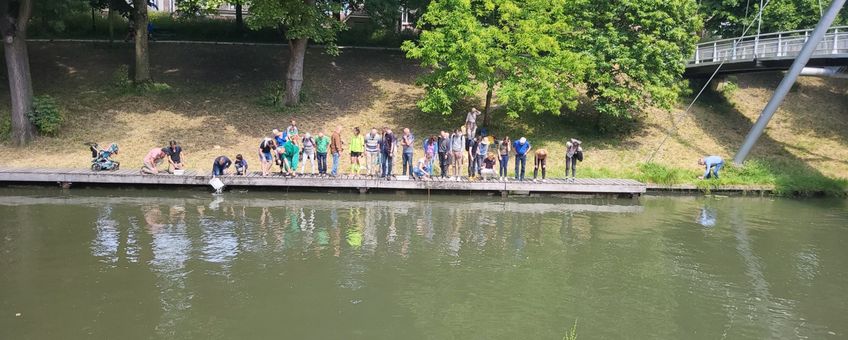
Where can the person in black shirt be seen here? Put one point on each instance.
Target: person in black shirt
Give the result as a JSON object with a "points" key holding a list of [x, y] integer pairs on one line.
{"points": [[176, 158]]}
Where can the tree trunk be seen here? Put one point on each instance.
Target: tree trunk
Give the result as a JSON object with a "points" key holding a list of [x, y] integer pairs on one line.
{"points": [[111, 18], [93, 22], [489, 90], [17, 68], [142, 58], [239, 18], [294, 75]]}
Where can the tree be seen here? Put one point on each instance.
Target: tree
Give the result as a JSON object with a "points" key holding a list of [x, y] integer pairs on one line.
{"points": [[300, 21], [14, 16], [639, 49], [728, 18], [141, 69], [516, 47]]}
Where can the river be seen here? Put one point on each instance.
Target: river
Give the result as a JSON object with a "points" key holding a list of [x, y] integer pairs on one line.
{"points": [[159, 264]]}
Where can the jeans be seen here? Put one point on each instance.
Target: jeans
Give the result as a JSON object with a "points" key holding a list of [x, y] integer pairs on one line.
{"points": [[407, 162], [322, 163], [570, 163], [502, 169], [387, 165], [443, 163], [418, 173], [217, 170], [714, 170], [478, 163], [335, 164], [520, 162]]}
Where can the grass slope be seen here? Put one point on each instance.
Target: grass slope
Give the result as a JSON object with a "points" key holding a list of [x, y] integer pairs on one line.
{"points": [[213, 105]]}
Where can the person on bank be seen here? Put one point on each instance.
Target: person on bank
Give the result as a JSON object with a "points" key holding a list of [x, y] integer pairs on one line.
{"points": [[357, 147], [712, 165], [176, 158], [291, 156], [220, 166], [152, 161], [422, 169], [266, 158], [322, 145]]}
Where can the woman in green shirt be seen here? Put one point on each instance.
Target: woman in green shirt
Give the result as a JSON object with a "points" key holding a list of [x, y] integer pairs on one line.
{"points": [[357, 146]]}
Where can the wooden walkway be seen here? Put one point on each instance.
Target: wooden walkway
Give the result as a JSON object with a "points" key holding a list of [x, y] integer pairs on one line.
{"points": [[361, 183]]}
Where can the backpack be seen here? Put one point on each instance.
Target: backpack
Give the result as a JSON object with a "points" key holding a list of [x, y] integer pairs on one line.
{"points": [[579, 155]]}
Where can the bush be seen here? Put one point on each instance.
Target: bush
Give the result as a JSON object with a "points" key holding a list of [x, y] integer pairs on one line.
{"points": [[5, 127], [660, 174], [121, 78], [45, 114]]}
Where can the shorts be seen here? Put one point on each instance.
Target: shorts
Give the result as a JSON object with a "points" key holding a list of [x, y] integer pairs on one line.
{"points": [[355, 154], [456, 157], [266, 156]]}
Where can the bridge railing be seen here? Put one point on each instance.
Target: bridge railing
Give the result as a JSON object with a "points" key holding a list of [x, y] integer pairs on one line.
{"points": [[770, 45]]}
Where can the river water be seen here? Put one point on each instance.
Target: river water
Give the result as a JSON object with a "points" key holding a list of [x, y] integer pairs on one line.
{"points": [[132, 264]]}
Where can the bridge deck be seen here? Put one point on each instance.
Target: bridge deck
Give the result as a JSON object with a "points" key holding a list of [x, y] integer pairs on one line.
{"points": [[361, 183]]}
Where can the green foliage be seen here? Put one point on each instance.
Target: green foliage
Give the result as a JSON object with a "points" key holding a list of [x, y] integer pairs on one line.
{"points": [[300, 19], [273, 95], [728, 18], [45, 114], [515, 47], [123, 85], [572, 333], [5, 127], [728, 88], [639, 49], [660, 174], [121, 78]]}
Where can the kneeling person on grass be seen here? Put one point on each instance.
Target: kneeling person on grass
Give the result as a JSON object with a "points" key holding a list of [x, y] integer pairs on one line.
{"points": [[712, 165], [220, 166]]}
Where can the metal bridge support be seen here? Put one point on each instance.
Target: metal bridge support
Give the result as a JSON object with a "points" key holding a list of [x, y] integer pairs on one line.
{"points": [[788, 80]]}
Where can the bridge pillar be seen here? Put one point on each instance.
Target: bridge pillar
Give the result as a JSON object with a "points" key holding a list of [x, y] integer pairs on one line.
{"points": [[788, 80]]}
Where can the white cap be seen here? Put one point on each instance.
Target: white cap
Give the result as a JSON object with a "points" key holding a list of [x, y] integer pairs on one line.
{"points": [[522, 140]]}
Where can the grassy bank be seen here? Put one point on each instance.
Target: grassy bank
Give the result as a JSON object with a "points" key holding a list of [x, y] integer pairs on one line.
{"points": [[216, 102]]}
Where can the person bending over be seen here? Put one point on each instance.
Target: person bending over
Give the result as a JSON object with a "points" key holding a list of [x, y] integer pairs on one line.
{"points": [[220, 166], [540, 161], [152, 161], [712, 165]]}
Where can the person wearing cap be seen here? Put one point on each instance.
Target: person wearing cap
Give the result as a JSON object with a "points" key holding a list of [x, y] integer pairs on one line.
{"points": [[573, 153], [712, 165], [481, 155], [471, 123], [308, 152], [540, 161], [522, 147]]}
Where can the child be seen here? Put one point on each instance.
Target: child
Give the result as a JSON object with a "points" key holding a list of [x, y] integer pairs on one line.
{"points": [[241, 165]]}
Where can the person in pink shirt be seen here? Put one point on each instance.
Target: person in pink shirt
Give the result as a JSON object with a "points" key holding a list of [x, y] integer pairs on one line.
{"points": [[153, 159]]}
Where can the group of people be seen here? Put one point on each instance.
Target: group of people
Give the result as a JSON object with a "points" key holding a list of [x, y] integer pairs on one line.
{"points": [[461, 152]]}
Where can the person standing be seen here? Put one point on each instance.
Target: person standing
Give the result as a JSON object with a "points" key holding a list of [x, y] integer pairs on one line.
{"points": [[388, 152], [372, 152], [712, 165], [457, 144], [220, 166], [322, 144], [265, 156], [471, 123], [481, 154], [573, 153], [444, 153], [407, 142], [308, 153], [522, 147], [357, 146], [336, 148], [291, 131], [430, 146], [540, 161], [504, 148]]}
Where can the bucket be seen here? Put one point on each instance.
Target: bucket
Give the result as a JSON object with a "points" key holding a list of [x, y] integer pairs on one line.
{"points": [[179, 172], [217, 184]]}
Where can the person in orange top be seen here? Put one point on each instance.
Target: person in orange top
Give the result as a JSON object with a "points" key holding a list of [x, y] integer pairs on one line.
{"points": [[154, 158]]}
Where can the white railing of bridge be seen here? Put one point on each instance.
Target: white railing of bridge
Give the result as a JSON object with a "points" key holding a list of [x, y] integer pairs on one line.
{"points": [[770, 45]]}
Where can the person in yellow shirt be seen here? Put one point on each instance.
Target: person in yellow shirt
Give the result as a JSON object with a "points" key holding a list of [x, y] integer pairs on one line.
{"points": [[357, 146]]}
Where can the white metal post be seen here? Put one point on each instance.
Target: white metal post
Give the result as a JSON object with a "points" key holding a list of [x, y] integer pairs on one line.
{"points": [[715, 51]]}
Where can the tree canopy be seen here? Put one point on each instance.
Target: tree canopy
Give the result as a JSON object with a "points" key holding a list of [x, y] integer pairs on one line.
{"points": [[538, 54]]}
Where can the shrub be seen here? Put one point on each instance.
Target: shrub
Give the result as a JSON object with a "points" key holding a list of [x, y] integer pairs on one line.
{"points": [[121, 78], [5, 127], [45, 114], [660, 174]]}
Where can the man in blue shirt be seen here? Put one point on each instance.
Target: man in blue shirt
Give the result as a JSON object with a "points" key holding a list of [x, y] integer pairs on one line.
{"points": [[712, 165], [522, 147]]}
